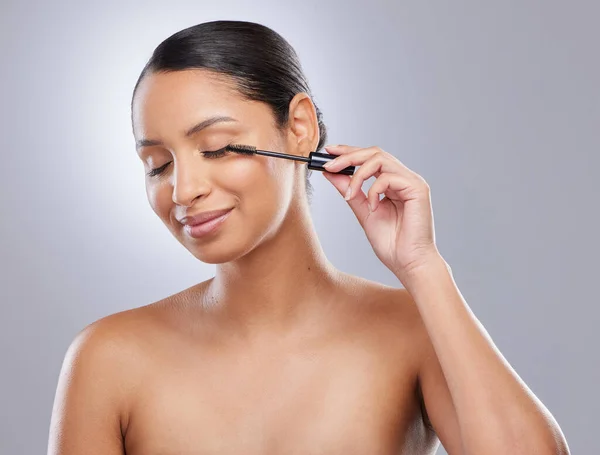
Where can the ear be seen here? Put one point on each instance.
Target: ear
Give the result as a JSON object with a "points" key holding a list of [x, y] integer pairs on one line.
{"points": [[303, 124]]}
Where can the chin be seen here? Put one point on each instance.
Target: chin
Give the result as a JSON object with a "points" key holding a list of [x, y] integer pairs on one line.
{"points": [[217, 257], [217, 251]]}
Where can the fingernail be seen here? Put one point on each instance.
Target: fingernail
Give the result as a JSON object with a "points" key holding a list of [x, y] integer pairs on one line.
{"points": [[330, 146], [348, 193]]}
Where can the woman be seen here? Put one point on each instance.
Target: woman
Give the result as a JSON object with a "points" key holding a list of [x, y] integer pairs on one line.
{"points": [[280, 352]]}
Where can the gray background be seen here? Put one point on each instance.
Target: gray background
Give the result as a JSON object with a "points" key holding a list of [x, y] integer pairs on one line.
{"points": [[495, 103]]}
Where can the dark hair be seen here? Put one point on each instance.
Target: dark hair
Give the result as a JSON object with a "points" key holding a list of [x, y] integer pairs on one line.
{"points": [[263, 64]]}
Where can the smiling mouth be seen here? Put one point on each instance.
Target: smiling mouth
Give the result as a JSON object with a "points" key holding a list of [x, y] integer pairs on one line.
{"points": [[201, 229], [203, 217]]}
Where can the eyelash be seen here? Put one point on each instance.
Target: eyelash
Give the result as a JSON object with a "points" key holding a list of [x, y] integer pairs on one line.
{"points": [[209, 154]]}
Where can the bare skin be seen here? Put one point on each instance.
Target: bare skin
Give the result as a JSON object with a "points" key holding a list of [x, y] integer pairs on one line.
{"points": [[280, 352], [341, 380]]}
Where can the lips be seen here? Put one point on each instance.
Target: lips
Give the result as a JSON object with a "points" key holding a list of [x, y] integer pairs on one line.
{"points": [[207, 228], [204, 217]]}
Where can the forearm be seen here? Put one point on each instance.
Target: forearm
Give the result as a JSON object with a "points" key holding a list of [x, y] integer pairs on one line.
{"points": [[497, 412]]}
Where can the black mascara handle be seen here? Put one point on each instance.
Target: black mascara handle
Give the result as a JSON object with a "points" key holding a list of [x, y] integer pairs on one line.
{"points": [[317, 160]]}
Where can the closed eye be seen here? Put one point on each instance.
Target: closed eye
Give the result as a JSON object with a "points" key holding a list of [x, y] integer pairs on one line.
{"points": [[158, 170], [216, 153], [208, 154]]}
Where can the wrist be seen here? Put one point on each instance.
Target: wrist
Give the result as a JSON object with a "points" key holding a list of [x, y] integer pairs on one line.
{"points": [[430, 265]]}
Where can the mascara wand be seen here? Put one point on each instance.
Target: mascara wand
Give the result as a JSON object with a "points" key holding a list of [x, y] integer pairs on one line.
{"points": [[315, 160]]}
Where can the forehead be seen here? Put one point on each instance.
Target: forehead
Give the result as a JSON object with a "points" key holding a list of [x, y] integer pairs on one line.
{"points": [[165, 100]]}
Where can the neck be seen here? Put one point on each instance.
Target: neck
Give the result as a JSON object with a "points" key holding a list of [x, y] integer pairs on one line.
{"points": [[279, 284]]}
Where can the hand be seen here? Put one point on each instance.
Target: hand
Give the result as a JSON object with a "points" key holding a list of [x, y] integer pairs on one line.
{"points": [[399, 226]]}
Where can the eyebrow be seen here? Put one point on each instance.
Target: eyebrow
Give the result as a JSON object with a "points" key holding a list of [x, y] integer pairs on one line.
{"points": [[193, 130]]}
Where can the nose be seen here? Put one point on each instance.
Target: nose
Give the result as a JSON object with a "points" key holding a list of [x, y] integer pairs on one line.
{"points": [[190, 180]]}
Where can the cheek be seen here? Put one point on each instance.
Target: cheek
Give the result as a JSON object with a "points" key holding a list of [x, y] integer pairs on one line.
{"points": [[259, 182], [160, 198], [246, 176], [243, 172]]}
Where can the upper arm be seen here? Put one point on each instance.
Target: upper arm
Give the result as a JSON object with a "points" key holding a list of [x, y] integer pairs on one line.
{"points": [[88, 401], [438, 408]]}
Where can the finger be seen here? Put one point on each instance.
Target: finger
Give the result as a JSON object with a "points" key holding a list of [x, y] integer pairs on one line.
{"points": [[405, 187], [358, 158], [341, 149], [358, 204], [372, 167]]}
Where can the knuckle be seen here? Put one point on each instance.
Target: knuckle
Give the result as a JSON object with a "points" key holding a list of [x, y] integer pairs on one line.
{"points": [[361, 171], [424, 184]]}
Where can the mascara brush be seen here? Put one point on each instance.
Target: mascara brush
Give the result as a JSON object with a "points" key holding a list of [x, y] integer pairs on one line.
{"points": [[315, 160]]}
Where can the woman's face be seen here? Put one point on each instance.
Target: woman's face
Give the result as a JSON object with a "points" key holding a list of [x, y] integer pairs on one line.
{"points": [[258, 189]]}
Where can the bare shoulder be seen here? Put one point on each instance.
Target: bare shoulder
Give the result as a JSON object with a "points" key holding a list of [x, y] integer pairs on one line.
{"points": [[108, 348], [106, 363], [121, 337], [393, 305], [101, 374], [113, 335], [389, 315]]}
